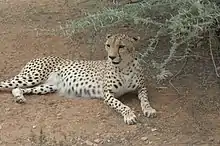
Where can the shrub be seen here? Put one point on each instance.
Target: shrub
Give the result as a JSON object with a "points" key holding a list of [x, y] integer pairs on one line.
{"points": [[184, 23]]}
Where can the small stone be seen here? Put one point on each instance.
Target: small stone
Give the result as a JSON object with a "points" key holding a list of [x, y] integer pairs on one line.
{"points": [[34, 126], [150, 142], [59, 116], [153, 129], [89, 143], [97, 140], [108, 140], [211, 138], [52, 103], [144, 138], [123, 139]]}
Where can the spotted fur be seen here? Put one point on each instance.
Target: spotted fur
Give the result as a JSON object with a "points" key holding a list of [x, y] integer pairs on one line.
{"points": [[105, 79]]}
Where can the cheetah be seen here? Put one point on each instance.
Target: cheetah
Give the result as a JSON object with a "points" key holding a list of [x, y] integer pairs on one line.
{"points": [[106, 79]]}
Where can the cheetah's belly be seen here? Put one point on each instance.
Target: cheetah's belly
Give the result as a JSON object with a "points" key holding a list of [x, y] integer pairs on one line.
{"points": [[80, 81], [81, 91], [77, 88]]}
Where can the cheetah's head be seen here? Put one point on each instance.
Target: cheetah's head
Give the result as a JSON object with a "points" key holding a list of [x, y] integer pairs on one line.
{"points": [[120, 47]]}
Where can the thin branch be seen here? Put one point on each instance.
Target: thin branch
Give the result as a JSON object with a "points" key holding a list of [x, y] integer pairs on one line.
{"points": [[173, 115], [170, 81], [213, 60], [132, 1]]}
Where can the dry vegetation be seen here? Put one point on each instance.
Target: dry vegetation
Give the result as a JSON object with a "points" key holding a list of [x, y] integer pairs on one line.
{"points": [[179, 47], [185, 23]]}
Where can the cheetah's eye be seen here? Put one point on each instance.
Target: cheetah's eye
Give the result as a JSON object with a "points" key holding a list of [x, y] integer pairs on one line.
{"points": [[108, 45], [121, 46]]}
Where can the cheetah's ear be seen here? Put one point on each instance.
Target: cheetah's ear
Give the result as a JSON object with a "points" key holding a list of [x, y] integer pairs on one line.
{"points": [[108, 36], [136, 38]]}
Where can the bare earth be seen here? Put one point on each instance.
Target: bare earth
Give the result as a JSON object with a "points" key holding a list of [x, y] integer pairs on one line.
{"points": [[191, 119]]}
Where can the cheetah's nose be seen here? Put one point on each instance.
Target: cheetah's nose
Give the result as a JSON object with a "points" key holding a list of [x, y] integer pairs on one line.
{"points": [[112, 57]]}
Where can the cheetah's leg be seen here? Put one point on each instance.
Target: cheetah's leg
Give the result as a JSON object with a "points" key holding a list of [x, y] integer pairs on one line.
{"points": [[145, 104], [18, 93], [125, 111]]}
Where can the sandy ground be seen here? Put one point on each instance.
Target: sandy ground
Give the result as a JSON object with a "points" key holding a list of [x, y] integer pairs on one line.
{"points": [[192, 119]]}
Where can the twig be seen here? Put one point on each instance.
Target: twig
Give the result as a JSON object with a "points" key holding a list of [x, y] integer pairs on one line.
{"points": [[132, 1], [170, 81], [213, 60], [173, 115], [161, 88]]}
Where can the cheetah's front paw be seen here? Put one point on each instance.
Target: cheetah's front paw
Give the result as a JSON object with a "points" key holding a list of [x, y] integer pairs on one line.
{"points": [[18, 94], [20, 100], [149, 112], [130, 118]]}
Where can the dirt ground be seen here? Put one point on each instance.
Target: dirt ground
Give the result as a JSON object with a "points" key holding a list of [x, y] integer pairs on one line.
{"points": [[191, 119]]}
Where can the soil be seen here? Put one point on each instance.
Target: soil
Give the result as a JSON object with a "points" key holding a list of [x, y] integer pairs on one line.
{"points": [[25, 32]]}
